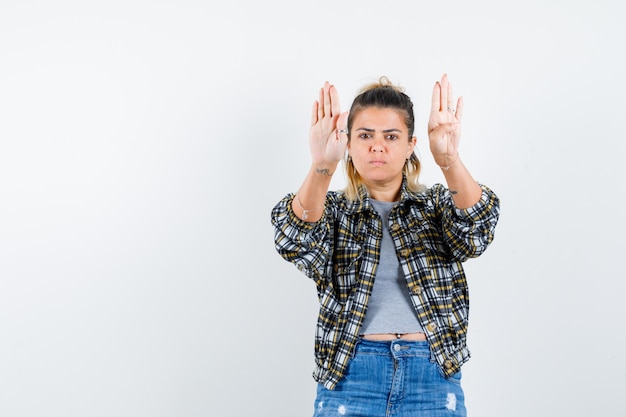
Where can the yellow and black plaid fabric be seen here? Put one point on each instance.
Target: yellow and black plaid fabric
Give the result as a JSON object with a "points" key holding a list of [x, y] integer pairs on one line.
{"points": [[340, 253]]}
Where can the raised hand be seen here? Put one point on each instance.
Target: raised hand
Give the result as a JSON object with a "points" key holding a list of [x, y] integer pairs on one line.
{"points": [[328, 135], [444, 124]]}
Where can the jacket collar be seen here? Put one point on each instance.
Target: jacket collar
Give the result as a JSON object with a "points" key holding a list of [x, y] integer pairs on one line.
{"points": [[362, 203]]}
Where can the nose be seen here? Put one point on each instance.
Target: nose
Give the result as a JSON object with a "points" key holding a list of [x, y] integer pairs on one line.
{"points": [[378, 145]]}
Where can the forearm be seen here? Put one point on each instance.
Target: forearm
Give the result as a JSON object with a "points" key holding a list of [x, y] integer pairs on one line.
{"points": [[308, 203], [464, 189]]}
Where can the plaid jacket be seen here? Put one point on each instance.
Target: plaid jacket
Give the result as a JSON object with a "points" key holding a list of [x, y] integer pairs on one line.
{"points": [[340, 254]]}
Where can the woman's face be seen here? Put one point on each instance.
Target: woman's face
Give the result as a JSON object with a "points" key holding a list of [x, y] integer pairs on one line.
{"points": [[379, 145]]}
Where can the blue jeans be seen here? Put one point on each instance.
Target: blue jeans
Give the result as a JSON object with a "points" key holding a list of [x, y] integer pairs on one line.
{"points": [[394, 378]]}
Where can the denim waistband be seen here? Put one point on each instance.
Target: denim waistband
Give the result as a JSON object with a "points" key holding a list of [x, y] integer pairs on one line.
{"points": [[393, 347]]}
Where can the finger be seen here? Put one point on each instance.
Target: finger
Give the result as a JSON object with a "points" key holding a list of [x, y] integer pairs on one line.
{"points": [[444, 92], [327, 104], [435, 105], [334, 101], [450, 99], [320, 104], [459, 109], [314, 117], [342, 126]]}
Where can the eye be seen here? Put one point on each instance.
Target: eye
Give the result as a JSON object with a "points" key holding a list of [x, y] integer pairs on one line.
{"points": [[391, 137], [365, 136]]}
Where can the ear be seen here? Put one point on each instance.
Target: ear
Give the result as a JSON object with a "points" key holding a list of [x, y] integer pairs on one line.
{"points": [[412, 144]]}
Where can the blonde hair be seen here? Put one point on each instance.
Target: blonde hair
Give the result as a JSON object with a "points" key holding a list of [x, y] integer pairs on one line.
{"points": [[383, 94]]}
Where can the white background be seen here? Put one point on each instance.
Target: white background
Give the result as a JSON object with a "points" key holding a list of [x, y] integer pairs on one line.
{"points": [[144, 143]]}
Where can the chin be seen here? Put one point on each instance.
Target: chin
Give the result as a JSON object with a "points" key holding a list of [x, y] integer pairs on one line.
{"points": [[380, 178], [381, 175]]}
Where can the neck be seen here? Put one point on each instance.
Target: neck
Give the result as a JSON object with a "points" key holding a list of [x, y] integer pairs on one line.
{"points": [[389, 194]]}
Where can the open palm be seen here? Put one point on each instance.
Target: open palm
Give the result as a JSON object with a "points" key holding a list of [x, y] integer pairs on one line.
{"points": [[327, 144], [444, 129]]}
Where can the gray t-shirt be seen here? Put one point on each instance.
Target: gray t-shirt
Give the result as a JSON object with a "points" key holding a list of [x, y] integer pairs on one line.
{"points": [[389, 309]]}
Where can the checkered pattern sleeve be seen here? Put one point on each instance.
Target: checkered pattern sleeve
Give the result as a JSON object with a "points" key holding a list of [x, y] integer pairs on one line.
{"points": [[467, 232], [304, 244]]}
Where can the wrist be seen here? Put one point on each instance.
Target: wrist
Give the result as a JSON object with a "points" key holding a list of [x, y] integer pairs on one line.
{"points": [[305, 212], [452, 161], [324, 169]]}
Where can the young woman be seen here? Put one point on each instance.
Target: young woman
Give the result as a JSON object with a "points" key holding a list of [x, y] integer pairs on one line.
{"points": [[386, 254]]}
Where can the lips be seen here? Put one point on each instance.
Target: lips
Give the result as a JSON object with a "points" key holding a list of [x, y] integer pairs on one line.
{"points": [[377, 162]]}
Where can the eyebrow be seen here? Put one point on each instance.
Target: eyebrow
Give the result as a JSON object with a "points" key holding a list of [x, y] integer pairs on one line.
{"points": [[384, 130]]}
